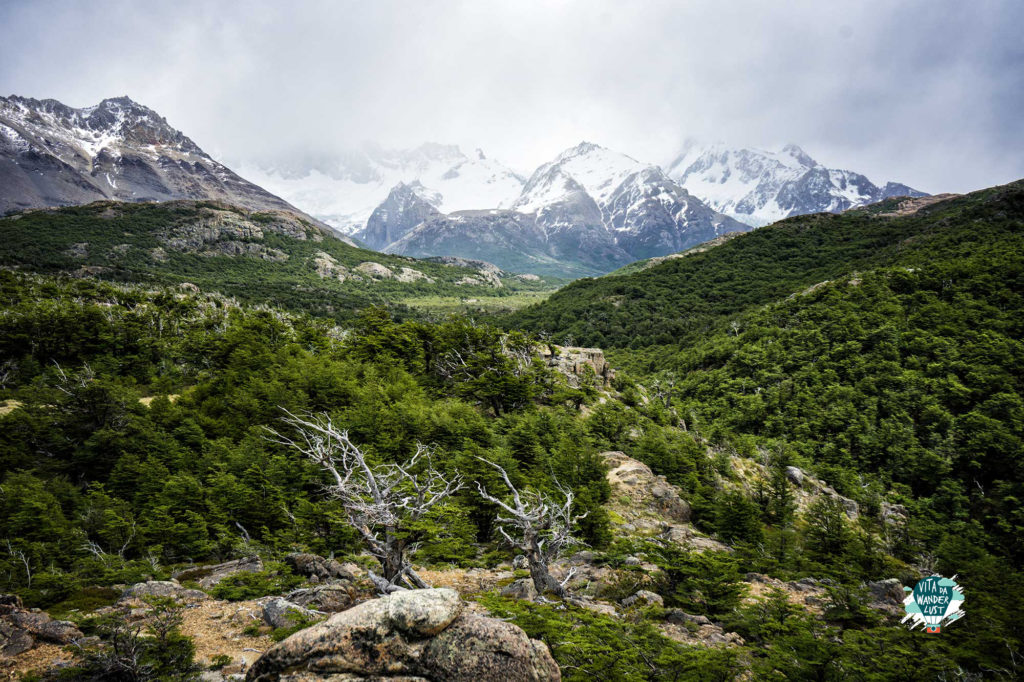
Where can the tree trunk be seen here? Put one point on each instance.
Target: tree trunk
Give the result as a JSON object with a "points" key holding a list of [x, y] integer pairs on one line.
{"points": [[542, 579]]}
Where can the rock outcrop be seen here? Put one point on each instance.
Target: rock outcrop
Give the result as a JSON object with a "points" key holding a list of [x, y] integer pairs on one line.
{"points": [[209, 576], [652, 501], [314, 565], [331, 597], [575, 362], [281, 613], [414, 635], [21, 628], [163, 588]]}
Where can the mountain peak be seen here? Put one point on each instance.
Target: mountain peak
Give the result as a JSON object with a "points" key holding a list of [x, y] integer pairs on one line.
{"points": [[799, 155], [117, 149], [759, 187]]}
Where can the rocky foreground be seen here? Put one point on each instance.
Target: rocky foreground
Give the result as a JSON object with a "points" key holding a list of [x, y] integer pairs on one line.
{"points": [[335, 627]]}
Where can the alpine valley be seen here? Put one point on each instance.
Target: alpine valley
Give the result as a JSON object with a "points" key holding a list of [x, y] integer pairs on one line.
{"points": [[236, 444]]}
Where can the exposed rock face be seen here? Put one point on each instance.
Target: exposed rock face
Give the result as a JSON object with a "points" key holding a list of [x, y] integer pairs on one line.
{"points": [[327, 267], [643, 598], [574, 362], [651, 498], [281, 613], [646, 504], [411, 635], [413, 275], [375, 270], [20, 628], [310, 565], [219, 229], [208, 576], [407, 206], [523, 588], [809, 487], [887, 595], [330, 597], [163, 588]]}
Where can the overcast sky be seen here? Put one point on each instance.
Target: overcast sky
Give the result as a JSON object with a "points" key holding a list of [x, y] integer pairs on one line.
{"points": [[927, 92]]}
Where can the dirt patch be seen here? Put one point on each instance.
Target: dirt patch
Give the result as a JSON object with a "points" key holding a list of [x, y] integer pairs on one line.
{"points": [[217, 629], [466, 581], [37, 659]]}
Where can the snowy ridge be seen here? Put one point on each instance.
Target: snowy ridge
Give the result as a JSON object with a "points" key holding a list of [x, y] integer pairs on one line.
{"points": [[344, 191], [55, 155], [588, 211], [759, 187]]}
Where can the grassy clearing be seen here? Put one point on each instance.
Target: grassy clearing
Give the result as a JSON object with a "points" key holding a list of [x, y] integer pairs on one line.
{"points": [[476, 304]]}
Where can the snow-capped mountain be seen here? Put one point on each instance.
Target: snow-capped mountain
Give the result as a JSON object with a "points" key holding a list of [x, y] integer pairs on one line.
{"points": [[759, 187], [54, 155], [641, 211], [406, 207], [344, 190], [588, 211]]}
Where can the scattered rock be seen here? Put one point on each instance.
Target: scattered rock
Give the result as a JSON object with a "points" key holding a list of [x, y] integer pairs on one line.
{"points": [[414, 634], [574, 362], [14, 640], [329, 597], [163, 588], [601, 608], [679, 617], [887, 595], [208, 576], [39, 624], [639, 495], [528, 277], [523, 588], [411, 275], [21, 628], [281, 613], [643, 598], [310, 565], [375, 270], [795, 475]]}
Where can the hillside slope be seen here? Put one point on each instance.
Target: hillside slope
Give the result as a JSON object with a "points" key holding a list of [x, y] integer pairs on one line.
{"points": [[258, 256], [678, 300]]}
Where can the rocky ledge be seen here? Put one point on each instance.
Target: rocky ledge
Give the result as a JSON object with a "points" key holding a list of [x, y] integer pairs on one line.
{"points": [[415, 636]]}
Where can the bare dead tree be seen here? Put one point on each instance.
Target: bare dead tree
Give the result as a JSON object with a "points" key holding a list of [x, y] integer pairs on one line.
{"points": [[381, 501], [7, 371], [19, 555], [541, 528]]}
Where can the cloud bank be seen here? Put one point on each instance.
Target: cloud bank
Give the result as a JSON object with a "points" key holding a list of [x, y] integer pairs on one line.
{"points": [[927, 92]]}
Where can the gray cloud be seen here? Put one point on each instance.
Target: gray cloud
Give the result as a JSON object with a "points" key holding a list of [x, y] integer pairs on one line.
{"points": [[928, 92]]}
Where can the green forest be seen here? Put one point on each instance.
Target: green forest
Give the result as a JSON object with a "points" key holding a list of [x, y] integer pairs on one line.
{"points": [[880, 354]]}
